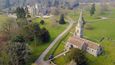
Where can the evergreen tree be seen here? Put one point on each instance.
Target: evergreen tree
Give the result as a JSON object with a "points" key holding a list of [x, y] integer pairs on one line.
{"points": [[92, 10], [44, 35], [41, 35], [20, 12], [62, 21]]}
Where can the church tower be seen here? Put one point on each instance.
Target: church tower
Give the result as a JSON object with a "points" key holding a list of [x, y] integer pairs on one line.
{"points": [[80, 26]]}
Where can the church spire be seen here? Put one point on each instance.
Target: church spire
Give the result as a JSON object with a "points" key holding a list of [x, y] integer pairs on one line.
{"points": [[81, 21], [80, 26]]}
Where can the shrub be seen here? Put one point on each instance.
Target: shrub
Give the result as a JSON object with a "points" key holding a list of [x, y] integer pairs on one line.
{"points": [[42, 22]]}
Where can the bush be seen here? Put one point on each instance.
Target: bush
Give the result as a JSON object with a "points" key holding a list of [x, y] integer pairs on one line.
{"points": [[42, 22], [19, 38]]}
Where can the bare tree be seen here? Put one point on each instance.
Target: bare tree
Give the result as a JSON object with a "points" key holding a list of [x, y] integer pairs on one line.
{"points": [[104, 6], [4, 58], [9, 28]]}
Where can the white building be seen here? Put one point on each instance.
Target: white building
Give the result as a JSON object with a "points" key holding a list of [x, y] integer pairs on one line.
{"points": [[77, 41], [33, 9]]}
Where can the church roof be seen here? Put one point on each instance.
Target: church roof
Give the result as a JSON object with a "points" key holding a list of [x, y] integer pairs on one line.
{"points": [[76, 42], [80, 41]]}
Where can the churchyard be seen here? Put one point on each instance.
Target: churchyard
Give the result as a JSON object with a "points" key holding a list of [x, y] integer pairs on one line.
{"points": [[96, 29]]}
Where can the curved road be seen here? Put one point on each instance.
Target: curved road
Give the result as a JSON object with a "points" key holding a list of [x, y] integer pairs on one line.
{"points": [[40, 60]]}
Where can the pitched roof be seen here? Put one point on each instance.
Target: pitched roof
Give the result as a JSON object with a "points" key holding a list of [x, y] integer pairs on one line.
{"points": [[80, 41], [76, 42]]}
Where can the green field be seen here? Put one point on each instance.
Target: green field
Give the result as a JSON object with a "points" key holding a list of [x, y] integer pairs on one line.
{"points": [[3, 19], [101, 28]]}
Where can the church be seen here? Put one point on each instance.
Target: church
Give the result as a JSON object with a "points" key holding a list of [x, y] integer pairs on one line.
{"points": [[77, 40]]}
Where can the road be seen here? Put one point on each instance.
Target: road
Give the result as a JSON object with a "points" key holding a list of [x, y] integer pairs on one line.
{"points": [[40, 60]]}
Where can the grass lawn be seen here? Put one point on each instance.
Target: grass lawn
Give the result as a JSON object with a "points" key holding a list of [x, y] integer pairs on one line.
{"points": [[107, 57], [54, 29], [101, 28], [3, 19]]}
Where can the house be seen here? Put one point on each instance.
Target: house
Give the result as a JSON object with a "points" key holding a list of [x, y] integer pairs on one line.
{"points": [[77, 40]]}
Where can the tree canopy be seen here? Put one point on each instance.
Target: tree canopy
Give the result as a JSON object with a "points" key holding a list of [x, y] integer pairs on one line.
{"points": [[78, 56], [62, 21], [20, 12], [92, 10]]}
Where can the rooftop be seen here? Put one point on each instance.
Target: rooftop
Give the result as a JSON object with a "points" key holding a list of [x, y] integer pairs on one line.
{"points": [[80, 41]]}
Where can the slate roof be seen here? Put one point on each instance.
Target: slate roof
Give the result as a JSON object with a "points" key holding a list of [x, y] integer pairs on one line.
{"points": [[80, 41]]}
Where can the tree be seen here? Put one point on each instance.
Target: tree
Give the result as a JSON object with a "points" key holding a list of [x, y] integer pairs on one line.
{"points": [[44, 35], [36, 29], [28, 32], [9, 28], [21, 16], [42, 22], [18, 51], [19, 39], [92, 10], [78, 56], [62, 21], [20, 12], [14, 52], [104, 6], [4, 57]]}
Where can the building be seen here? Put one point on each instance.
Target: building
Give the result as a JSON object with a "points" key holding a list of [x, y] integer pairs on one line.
{"points": [[80, 26], [33, 9], [77, 40]]}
